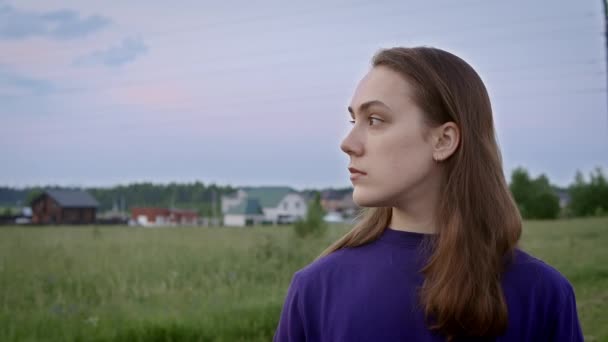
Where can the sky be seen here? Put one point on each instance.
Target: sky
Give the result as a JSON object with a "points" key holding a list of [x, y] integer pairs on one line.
{"points": [[99, 93]]}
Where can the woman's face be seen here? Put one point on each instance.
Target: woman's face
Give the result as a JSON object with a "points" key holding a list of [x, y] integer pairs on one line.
{"points": [[387, 142]]}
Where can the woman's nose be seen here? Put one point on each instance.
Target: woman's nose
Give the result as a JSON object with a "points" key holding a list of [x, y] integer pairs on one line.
{"points": [[351, 145]]}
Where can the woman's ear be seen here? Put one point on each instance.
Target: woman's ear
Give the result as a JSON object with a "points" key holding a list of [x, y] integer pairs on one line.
{"points": [[446, 139]]}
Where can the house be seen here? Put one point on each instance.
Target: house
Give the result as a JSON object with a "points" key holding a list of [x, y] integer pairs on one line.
{"points": [[278, 204], [247, 213], [64, 207], [12, 216], [150, 217], [339, 202], [333, 217]]}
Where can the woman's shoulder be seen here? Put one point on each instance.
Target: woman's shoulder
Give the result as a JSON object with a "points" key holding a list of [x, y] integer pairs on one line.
{"points": [[332, 266], [327, 265], [534, 273], [542, 296]]}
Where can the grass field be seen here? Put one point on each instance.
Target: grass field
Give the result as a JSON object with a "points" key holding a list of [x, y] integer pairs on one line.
{"points": [[212, 284]]}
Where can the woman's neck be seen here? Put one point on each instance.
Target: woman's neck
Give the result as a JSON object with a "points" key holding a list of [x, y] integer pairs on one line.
{"points": [[401, 220], [417, 213]]}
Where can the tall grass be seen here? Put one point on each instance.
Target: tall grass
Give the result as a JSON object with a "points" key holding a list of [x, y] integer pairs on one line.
{"points": [[212, 284]]}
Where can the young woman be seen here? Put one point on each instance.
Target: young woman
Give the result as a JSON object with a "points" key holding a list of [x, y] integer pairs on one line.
{"points": [[434, 257]]}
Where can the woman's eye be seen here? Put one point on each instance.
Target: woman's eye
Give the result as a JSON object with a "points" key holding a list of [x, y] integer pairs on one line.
{"points": [[373, 120]]}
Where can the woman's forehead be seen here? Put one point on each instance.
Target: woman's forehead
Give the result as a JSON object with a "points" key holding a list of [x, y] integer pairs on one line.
{"points": [[383, 85]]}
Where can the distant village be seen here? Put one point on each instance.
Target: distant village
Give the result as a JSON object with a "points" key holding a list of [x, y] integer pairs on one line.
{"points": [[247, 206]]}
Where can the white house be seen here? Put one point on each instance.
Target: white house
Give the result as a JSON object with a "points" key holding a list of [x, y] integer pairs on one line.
{"points": [[247, 213], [278, 205], [233, 200]]}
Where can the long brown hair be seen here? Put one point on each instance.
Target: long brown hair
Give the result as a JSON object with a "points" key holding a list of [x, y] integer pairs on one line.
{"points": [[479, 224]]}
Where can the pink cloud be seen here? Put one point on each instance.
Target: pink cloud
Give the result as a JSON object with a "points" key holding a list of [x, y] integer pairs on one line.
{"points": [[153, 96]]}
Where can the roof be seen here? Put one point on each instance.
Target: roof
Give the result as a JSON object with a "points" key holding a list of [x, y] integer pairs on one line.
{"points": [[339, 195], [183, 211], [249, 206], [268, 196], [73, 198], [332, 195]]}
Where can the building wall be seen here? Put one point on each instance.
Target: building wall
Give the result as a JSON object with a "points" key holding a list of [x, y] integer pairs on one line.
{"points": [[78, 215], [46, 211], [239, 220], [345, 204], [234, 220], [229, 202], [150, 216], [186, 219], [163, 216], [43, 210], [292, 205]]}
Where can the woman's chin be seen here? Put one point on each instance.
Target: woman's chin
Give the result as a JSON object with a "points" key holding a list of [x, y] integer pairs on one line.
{"points": [[365, 199]]}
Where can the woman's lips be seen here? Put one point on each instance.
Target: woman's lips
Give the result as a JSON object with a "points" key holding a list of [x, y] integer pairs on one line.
{"points": [[355, 173]]}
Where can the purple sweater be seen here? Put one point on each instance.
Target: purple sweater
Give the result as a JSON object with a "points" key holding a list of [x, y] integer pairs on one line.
{"points": [[368, 293]]}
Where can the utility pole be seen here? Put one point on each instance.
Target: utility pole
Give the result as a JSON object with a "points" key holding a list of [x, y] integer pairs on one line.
{"points": [[213, 206], [605, 6]]}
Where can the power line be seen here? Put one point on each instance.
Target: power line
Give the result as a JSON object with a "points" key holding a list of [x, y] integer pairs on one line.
{"points": [[247, 68], [398, 14], [605, 6], [347, 8], [442, 30], [289, 56], [288, 61], [266, 18], [244, 105]]}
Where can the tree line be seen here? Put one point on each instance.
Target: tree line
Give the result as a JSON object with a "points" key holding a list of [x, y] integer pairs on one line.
{"points": [[536, 197], [205, 199]]}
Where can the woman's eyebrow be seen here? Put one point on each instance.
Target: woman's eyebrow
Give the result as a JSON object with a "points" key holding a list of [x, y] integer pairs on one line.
{"points": [[364, 106]]}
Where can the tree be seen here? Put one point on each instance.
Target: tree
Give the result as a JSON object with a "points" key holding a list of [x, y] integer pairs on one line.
{"points": [[520, 188], [7, 212], [535, 198], [35, 192], [313, 224], [587, 199]]}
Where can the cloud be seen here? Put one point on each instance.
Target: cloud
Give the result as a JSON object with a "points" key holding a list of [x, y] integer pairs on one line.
{"points": [[18, 24], [156, 95], [116, 55], [15, 84]]}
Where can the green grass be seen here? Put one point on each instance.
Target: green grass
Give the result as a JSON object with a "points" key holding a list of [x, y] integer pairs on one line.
{"points": [[212, 284], [578, 249]]}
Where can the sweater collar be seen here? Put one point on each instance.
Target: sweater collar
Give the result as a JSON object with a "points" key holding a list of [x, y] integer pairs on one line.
{"points": [[403, 238]]}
